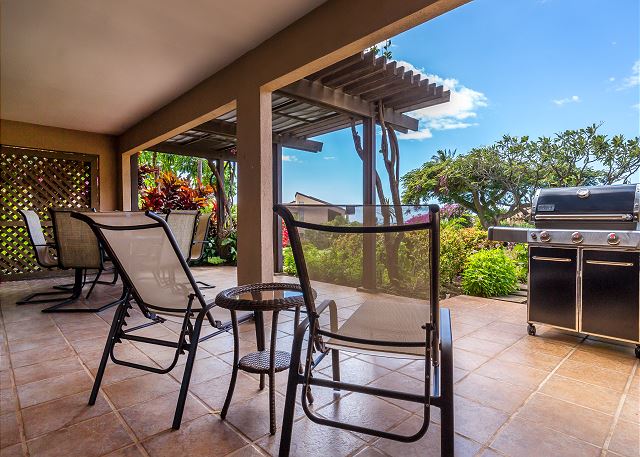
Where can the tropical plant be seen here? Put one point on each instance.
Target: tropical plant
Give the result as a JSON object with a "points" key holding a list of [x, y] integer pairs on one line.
{"points": [[497, 182], [489, 273], [172, 192]]}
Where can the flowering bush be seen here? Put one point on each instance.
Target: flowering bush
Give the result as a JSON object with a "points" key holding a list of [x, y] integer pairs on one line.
{"points": [[285, 235], [173, 192]]}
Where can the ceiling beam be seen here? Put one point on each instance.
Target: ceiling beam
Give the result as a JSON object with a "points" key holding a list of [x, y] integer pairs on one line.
{"points": [[194, 151], [317, 93], [228, 129]]}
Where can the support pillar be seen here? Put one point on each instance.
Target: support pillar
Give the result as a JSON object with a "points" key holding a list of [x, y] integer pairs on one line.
{"points": [[255, 187], [133, 174], [277, 198], [220, 212], [369, 198]]}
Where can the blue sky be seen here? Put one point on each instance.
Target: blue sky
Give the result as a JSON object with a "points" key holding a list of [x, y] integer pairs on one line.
{"points": [[519, 67]]}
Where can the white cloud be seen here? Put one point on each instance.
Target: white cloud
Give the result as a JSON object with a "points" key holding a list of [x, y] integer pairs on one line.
{"points": [[329, 158], [636, 106], [288, 158], [612, 78], [634, 79], [564, 101], [462, 106]]}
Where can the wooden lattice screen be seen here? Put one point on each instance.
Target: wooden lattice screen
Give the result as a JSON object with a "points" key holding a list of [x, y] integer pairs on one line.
{"points": [[38, 180]]}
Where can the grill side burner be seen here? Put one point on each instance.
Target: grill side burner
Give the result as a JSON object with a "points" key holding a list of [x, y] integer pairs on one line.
{"points": [[584, 260]]}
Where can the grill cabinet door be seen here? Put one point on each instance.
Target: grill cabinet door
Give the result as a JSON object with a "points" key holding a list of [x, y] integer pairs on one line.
{"points": [[552, 286], [610, 289]]}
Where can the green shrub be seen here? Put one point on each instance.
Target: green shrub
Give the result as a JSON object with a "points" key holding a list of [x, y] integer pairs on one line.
{"points": [[456, 245], [288, 263], [489, 273], [520, 256]]}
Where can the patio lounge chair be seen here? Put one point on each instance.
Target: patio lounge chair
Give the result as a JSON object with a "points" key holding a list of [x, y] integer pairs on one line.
{"points": [[197, 246], [156, 273], [393, 259], [183, 226]]}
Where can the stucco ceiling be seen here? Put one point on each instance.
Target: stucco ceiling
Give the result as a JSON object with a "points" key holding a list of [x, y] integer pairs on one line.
{"points": [[100, 66]]}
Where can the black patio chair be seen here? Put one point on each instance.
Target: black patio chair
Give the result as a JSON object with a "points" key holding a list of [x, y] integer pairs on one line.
{"points": [[156, 273], [77, 249], [45, 255], [391, 259]]}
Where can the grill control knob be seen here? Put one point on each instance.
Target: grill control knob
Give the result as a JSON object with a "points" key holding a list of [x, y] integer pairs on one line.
{"points": [[534, 236], [576, 237], [545, 236], [612, 238]]}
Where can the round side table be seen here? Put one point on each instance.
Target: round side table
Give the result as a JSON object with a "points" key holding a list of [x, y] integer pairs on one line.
{"points": [[258, 298]]}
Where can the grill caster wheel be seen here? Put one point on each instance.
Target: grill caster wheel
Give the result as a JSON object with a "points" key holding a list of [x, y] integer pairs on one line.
{"points": [[638, 351], [531, 330]]}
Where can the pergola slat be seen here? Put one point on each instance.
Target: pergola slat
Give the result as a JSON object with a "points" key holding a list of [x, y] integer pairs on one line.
{"points": [[321, 103]]}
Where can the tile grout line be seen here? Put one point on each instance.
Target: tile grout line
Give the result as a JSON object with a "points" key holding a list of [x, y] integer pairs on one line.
{"points": [[618, 413], [126, 427], [513, 415], [14, 388]]}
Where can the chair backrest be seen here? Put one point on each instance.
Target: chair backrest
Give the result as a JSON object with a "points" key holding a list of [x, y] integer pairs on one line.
{"points": [[147, 255], [346, 250], [200, 236], [76, 244], [36, 236], [183, 225]]}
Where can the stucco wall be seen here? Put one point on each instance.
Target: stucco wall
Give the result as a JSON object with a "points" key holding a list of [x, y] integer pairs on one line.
{"points": [[14, 133]]}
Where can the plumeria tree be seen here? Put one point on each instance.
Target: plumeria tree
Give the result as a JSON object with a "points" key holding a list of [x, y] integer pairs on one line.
{"points": [[497, 182]]}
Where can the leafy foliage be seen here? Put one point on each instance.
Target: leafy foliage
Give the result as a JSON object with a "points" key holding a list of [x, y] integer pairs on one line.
{"points": [[172, 192], [497, 182], [489, 273]]}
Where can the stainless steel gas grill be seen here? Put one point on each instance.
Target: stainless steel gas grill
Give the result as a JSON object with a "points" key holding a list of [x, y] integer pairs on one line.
{"points": [[584, 260]]}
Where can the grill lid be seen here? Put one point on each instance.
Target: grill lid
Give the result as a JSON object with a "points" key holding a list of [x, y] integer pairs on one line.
{"points": [[606, 207]]}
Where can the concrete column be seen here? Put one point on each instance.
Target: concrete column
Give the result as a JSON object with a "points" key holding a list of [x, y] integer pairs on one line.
{"points": [[255, 188], [277, 198], [133, 180]]}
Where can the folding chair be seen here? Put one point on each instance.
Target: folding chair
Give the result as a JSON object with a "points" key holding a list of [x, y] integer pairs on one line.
{"points": [[156, 273], [390, 257]]}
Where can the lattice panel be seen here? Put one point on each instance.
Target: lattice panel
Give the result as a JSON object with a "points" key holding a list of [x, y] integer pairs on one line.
{"points": [[37, 180]]}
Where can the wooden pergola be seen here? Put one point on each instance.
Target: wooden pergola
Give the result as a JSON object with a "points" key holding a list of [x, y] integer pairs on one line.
{"points": [[323, 102]]}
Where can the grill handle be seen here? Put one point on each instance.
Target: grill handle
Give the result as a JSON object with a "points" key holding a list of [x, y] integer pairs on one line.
{"points": [[584, 217], [551, 259], [610, 263]]}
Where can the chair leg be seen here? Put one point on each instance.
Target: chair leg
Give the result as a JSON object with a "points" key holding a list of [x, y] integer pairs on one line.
{"points": [[272, 373], [93, 284], [335, 365], [234, 373], [205, 285], [116, 326], [446, 367], [259, 321], [188, 368], [292, 387]]}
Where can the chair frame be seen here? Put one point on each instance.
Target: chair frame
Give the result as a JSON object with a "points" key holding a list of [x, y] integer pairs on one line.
{"points": [[188, 330], [61, 289], [80, 278], [438, 345], [203, 285]]}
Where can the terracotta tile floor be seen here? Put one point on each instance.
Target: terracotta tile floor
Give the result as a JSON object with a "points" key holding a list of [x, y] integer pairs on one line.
{"points": [[555, 394]]}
